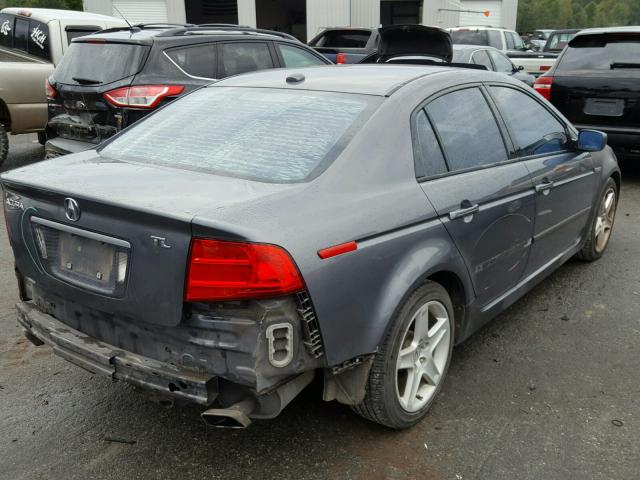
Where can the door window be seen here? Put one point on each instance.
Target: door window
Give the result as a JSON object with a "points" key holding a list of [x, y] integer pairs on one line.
{"points": [[535, 130], [510, 44], [502, 62], [296, 57], [240, 57], [429, 158], [468, 129], [197, 61], [481, 57], [518, 44]]}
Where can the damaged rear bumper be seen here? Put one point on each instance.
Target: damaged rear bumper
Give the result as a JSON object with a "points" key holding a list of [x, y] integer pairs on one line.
{"points": [[102, 358]]}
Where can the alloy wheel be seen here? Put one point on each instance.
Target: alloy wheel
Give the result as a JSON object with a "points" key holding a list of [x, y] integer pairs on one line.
{"points": [[604, 220], [423, 355]]}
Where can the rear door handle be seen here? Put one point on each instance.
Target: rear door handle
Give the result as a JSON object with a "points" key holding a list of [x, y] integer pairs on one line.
{"points": [[463, 212], [544, 187]]}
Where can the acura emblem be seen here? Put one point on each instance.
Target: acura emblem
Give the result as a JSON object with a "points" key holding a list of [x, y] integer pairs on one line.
{"points": [[71, 209]]}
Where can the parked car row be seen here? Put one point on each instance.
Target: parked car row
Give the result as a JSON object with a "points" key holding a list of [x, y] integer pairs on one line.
{"points": [[32, 44]]}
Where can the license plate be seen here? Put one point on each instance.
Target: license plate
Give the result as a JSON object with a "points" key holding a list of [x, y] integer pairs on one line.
{"points": [[86, 258], [604, 107]]}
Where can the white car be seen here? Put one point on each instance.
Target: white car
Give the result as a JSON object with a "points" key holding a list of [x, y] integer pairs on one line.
{"points": [[508, 41]]}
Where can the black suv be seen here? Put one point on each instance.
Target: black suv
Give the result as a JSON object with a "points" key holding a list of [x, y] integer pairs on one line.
{"points": [[108, 80], [596, 84]]}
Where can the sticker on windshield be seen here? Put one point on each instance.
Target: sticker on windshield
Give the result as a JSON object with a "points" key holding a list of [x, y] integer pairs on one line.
{"points": [[5, 29], [38, 37]]}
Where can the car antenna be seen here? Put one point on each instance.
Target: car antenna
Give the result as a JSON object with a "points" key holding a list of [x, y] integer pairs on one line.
{"points": [[124, 18]]}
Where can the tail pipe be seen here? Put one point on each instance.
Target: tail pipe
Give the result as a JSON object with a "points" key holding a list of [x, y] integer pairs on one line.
{"points": [[235, 416]]}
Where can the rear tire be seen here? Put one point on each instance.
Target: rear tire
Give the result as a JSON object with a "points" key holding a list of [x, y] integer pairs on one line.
{"points": [[42, 138], [4, 144], [409, 369], [601, 225]]}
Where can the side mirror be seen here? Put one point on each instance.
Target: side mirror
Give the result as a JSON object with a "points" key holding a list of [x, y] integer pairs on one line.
{"points": [[520, 68], [592, 141]]}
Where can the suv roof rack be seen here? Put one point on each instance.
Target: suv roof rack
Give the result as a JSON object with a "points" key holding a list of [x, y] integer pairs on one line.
{"points": [[141, 26], [209, 28]]}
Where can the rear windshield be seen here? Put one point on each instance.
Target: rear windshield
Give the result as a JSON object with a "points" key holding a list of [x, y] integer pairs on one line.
{"points": [[602, 52], [269, 135], [99, 63], [470, 37], [343, 39]]}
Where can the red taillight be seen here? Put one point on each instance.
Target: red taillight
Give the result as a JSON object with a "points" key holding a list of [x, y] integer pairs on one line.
{"points": [[141, 96], [220, 270], [51, 92], [543, 86], [341, 58], [545, 68]]}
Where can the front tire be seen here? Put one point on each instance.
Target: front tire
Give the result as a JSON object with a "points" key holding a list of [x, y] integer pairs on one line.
{"points": [[4, 144], [602, 224], [409, 369]]}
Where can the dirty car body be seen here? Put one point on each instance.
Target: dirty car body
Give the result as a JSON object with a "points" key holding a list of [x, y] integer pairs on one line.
{"points": [[132, 260]]}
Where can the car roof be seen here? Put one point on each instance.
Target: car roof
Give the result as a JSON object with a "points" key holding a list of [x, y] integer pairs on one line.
{"points": [[463, 46], [47, 14], [147, 34], [378, 80], [603, 30]]}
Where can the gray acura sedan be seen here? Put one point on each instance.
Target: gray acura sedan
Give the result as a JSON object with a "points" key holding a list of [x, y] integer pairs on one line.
{"points": [[350, 222]]}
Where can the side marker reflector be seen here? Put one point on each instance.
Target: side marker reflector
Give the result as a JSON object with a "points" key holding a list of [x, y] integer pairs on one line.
{"points": [[337, 250]]}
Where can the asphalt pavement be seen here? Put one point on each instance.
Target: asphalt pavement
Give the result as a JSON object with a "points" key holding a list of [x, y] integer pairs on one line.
{"points": [[549, 390]]}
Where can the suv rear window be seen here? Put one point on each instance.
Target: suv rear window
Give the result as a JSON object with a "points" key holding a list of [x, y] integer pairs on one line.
{"points": [[99, 63], [343, 39], [602, 52], [269, 135], [470, 37]]}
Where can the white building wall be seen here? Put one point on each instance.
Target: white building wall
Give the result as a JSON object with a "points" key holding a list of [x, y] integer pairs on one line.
{"points": [[247, 13], [441, 13], [471, 12], [509, 14], [365, 13], [327, 13], [103, 7]]}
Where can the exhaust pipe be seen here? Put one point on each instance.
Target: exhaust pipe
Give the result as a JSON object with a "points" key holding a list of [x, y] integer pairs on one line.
{"points": [[236, 416]]}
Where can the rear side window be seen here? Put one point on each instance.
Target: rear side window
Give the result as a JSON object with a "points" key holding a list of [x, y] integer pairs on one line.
{"points": [[481, 57], [270, 135], [536, 131], [6, 30], [21, 34], [296, 57], [240, 58], [79, 31], [197, 61], [602, 52], [38, 43], [343, 39], [429, 158], [467, 127], [470, 37], [99, 63]]}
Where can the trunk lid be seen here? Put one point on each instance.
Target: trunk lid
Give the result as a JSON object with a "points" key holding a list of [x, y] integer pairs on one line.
{"points": [[126, 252], [415, 40], [88, 70], [597, 80]]}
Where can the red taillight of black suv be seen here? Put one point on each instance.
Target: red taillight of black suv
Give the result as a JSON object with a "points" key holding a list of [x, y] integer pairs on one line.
{"points": [[141, 96], [543, 86]]}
